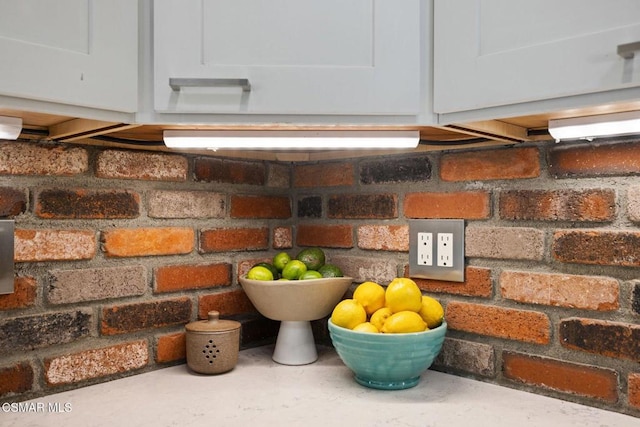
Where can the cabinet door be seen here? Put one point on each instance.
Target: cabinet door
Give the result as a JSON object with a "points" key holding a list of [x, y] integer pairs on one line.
{"points": [[77, 52], [498, 52], [298, 56]]}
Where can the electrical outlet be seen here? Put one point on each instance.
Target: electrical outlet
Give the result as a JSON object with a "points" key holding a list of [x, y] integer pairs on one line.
{"points": [[425, 249], [436, 249], [7, 227], [445, 250]]}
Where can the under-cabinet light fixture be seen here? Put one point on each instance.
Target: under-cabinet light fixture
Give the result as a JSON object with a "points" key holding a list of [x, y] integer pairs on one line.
{"points": [[10, 127], [291, 140], [590, 127]]}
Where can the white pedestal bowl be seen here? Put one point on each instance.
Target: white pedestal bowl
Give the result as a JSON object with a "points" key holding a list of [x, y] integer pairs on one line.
{"points": [[295, 303]]}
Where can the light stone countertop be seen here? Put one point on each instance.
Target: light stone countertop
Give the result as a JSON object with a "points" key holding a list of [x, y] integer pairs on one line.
{"points": [[260, 392]]}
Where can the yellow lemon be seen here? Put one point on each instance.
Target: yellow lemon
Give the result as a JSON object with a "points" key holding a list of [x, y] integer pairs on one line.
{"points": [[370, 295], [348, 313], [380, 316], [403, 294], [403, 322], [366, 327], [431, 312]]}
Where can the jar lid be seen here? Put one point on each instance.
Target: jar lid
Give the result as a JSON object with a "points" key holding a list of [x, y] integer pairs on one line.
{"points": [[212, 324]]}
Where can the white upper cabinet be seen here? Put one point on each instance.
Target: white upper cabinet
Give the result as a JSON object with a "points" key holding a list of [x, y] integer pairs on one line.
{"points": [[287, 56], [492, 53], [75, 52]]}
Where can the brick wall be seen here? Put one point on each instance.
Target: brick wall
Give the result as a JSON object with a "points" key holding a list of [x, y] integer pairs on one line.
{"points": [[551, 298], [116, 250]]}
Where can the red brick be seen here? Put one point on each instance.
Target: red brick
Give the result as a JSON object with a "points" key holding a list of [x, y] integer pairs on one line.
{"points": [[130, 242], [558, 205], [510, 163], [376, 269], [323, 175], [384, 237], [395, 169], [171, 348], [282, 238], [234, 239], [18, 158], [186, 204], [310, 207], [507, 323], [116, 164], [230, 171], [505, 242], [16, 379], [634, 390], [174, 278], [244, 265], [633, 203], [92, 204], [635, 298], [597, 247], [467, 356], [363, 206], [477, 283], [591, 160], [26, 333], [611, 339], [279, 175], [54, 245], [462, 204], [23, 296], [260, 207], [561, 290], [226, 303], [12, 202], [91, 284], [330, 236], [582, 380], [127, 318], [96, 363]]}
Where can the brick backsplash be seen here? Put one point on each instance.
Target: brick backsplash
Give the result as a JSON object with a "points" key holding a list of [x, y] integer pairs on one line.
{"points": [[116, 250]]}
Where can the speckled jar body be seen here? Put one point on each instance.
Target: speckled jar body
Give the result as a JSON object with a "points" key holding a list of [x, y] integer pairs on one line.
{"points": [[212, 345]]}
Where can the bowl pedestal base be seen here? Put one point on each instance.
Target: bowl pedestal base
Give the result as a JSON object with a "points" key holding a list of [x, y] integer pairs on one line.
{"points": [[295, 344]]}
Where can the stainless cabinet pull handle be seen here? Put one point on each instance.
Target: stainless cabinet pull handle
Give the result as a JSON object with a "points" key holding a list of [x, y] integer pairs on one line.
{"points": [[177, 84], [627, 51]]}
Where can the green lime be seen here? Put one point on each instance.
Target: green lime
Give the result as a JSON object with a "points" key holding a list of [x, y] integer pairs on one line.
{"points": [[313, 258], [294, 269], [280, 260], [330, 270], [311, 274], [259, 273], [271, 267]]}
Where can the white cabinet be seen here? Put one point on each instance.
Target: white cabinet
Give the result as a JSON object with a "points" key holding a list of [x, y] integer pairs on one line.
{"points": [[493, 53], [75, 52], [288, 56]]}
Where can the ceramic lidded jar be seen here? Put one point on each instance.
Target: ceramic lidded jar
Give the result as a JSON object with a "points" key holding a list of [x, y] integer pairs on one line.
{"points": [[212, 344]]}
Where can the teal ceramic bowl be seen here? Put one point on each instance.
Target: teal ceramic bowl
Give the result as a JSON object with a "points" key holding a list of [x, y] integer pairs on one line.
{"points": [[387, 361]]}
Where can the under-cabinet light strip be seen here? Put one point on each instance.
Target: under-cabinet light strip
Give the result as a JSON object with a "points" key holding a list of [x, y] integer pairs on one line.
{"points": [[627, 123], [291, 140], [10, 127]]}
